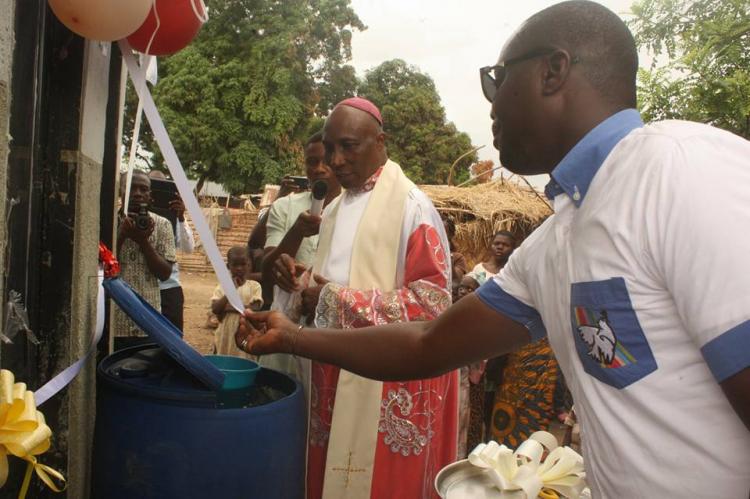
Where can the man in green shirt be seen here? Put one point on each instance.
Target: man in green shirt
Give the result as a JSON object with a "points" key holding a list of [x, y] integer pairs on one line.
{"points": [[292, 232]]}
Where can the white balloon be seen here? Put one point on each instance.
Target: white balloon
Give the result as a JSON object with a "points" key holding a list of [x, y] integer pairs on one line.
{"points": [[104, 20]]}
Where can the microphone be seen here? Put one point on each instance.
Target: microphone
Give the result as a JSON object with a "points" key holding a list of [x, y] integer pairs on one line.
{"points": [[319, 191]]}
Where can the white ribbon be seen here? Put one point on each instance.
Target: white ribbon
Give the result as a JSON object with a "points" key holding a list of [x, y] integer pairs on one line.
{"points": [[148, 62], [60, 381], [524, 469], [66, 376], [180, 179]]}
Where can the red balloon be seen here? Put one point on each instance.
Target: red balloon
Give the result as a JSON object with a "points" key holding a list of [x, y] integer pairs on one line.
{"points": [[169, 27]]}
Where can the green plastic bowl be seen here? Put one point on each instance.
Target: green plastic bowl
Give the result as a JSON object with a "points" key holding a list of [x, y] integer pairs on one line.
{"points": [[240, 373]]}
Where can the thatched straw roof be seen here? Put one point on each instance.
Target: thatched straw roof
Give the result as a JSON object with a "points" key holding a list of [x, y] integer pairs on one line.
{"points": [[481, 210]]}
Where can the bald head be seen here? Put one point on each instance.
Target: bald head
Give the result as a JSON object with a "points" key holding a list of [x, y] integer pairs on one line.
{"points": [[567, 69], [595, 36]]}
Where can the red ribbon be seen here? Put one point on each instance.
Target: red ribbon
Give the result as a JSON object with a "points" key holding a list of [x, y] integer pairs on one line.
{"points": [[109, 262]]}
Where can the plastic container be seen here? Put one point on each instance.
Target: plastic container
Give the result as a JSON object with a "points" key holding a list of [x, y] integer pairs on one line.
{"points": [[163, 332], [239, 379], [239, 373], [171, 424], [160, 433]]}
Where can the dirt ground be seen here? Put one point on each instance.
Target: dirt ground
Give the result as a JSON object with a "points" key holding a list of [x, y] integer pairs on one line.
{"points": [[198, 289]]}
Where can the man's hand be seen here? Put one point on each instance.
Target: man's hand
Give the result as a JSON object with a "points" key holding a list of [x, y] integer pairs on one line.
{"points": [[287, 187], [177, 206], [261, 333], [128, 230], [310, 297], [285, 273], [306, 224]]}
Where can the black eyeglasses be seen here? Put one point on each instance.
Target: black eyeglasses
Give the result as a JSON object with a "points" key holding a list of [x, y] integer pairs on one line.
{"points": [[490, 84]]}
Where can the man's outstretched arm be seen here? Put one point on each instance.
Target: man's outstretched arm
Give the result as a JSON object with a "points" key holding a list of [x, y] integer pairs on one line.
{"points": [[468, 331], [737, 390]]}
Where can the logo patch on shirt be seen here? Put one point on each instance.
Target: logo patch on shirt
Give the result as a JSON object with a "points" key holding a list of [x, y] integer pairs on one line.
{"points": [[610, 342], [597, 333]]}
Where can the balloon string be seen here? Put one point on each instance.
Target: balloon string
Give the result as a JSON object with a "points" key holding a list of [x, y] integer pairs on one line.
{"points": [[156, 28], [202, 18]]}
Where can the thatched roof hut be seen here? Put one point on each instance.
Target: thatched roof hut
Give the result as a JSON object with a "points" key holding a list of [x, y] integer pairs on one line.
{"points": [[479, 211]]}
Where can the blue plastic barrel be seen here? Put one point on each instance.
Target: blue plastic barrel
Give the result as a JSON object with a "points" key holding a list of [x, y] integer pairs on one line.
{"points": [[162, 434]]}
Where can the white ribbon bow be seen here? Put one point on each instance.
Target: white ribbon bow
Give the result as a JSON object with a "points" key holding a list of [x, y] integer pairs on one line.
{"points": [[524, 469]]}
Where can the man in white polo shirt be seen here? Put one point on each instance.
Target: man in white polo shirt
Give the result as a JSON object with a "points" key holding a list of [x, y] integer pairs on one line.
{"points": [[641, 278]]}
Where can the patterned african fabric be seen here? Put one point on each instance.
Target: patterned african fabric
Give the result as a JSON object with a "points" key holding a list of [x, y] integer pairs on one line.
{"points": [[523, 402], [475, 431], [135, 272]]}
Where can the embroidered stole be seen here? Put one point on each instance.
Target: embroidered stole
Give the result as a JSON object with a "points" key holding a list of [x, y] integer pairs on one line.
{"points": [[374, 263]]}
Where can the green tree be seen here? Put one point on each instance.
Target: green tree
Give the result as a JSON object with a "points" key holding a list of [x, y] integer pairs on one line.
{"points": [[707, 46], [419, 137], [240, 100]]}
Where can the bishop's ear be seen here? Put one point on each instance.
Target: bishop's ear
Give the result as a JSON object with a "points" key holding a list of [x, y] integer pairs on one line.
{"points": [[557, 71]]}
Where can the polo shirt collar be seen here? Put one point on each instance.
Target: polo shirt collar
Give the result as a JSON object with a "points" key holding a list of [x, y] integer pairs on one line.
{"points": [[574, 173]]}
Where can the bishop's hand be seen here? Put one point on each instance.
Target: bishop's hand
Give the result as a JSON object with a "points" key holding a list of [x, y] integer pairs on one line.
{"points": [[311, 296], [261, 333]]}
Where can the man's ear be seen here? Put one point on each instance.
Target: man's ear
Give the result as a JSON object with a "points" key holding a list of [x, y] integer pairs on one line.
{"points": [[381, 138], [556, 72]]}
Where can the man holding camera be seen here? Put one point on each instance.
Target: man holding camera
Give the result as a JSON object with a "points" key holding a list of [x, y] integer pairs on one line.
{"points": [[146, 252]]}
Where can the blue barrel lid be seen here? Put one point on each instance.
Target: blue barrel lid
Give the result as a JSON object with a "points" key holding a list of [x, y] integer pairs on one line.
{"points": [[163, 332]]}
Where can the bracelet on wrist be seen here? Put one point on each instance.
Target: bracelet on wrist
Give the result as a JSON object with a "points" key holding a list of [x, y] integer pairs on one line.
{"points": [[296, 337]]}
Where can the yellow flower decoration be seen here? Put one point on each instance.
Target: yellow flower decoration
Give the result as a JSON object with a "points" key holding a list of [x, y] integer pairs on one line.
{"points": [[23, 433]]}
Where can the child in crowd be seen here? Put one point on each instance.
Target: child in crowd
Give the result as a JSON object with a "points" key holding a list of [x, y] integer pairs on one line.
{"points": [[468, 284], [503, 244], [229, 319]]}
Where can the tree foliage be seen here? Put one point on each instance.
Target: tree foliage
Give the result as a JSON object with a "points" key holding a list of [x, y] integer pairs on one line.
{"points": [[240, 100], [419, 137], [707, 76]]}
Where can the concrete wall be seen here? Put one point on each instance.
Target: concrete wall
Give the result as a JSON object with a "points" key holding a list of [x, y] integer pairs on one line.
{"points": [[81, 395], [75, 427], [7, 39]]}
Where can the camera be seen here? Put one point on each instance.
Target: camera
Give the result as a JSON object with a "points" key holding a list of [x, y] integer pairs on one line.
{"points": [[142, 218], [302, 183]]}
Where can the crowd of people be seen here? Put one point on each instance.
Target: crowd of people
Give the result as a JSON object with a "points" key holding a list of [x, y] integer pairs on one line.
{"points": [[414, 359], [652, 337]]}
